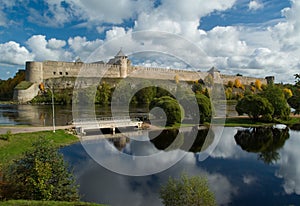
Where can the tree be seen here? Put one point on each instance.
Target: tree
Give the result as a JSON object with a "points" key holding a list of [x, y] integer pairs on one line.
{"points": [[287, 93], [255, 107], [238, 84], [171, 107], [187, 191], [297, 79], [258, 84], [40, 175], [205, 108], [275, 96], [103, 94], [230, 84], [294, 102]]}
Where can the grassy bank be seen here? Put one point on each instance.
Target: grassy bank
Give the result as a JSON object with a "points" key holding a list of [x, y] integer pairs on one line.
{"points": [[247, 122], [44, 203], [18, 143]]}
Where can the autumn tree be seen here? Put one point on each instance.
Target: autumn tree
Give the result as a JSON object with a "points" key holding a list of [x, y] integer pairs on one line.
{"points": [[258, 84], [238, 84], [287, 93]]}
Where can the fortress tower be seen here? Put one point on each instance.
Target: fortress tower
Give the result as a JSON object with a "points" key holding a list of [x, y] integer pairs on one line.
{"points": [[122, 60]]}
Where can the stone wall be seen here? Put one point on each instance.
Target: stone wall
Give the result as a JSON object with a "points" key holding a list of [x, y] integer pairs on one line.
{"points": [[26, 95]]}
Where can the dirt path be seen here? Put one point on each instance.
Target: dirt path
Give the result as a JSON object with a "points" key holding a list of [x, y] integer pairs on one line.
{"points": [[25, 129]]}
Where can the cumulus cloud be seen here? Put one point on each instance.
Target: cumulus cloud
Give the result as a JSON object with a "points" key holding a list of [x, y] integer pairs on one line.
{"points": [[289, 165], [13, 53], [83, 48], [255, 5], [52, 49], [255, 51]]}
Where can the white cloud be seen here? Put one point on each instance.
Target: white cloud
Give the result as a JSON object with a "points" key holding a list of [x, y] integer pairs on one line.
{"points": [[290, 164], [255, 5], [12, 53], [83, 48], [48, 50]]}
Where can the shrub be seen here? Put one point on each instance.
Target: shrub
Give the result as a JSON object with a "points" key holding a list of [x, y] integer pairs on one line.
{"points": [[187, 191], [40, 175]]}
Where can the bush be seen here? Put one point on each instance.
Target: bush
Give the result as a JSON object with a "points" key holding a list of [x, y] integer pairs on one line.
{"points": [[255, 106], [171, 107], [40, 175], [187, 191]]}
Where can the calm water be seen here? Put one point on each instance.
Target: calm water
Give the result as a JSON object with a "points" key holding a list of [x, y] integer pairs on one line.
{"points": [[41, 115], [248, 167]]}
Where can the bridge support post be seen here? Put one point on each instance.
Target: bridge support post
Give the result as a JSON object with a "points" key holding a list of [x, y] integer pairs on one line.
{"points": [[113, 130]]}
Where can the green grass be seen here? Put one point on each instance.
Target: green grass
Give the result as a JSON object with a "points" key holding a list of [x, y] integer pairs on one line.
{"points": [[19, 143], [23, 85], [247, 122], [44, 203]]}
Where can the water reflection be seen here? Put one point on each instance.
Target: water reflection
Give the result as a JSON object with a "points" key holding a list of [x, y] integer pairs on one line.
{"points": [[173, 139], [266, 141], [235, 175]]}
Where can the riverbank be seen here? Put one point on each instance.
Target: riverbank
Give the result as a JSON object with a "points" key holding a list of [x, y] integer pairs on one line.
{"points": [[17, 144], [26, 129]]}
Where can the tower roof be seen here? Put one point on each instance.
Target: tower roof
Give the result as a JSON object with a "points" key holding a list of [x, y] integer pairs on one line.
{"points": [[120, 54], [213, 70]]}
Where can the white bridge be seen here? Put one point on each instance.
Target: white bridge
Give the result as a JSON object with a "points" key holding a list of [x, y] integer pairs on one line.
{"points": [[112, 123]]}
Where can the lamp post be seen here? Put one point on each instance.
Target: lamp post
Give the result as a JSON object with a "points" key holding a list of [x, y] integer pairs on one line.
{"points": [[53, 113]]}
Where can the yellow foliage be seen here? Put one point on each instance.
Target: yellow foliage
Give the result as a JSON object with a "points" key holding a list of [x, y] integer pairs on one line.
{"points": [[238, 83], [258, 84], [287, 93], [253, 89], [42, 87]]}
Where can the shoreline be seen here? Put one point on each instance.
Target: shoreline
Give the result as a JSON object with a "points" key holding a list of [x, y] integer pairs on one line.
{"points": [[236, 121]]}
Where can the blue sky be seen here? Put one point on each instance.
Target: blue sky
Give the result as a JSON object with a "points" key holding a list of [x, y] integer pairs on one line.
{"points": [[252, 37]]}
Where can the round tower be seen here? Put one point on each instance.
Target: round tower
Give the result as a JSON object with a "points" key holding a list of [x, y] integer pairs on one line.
{"points": [[34, 72]]}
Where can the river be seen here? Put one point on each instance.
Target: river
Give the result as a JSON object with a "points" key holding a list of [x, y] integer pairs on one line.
{"points": [[249, 166]]}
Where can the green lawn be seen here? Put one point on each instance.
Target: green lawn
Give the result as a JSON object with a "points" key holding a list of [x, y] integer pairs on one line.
{"points": [[247, 122], [44, 203], [19, 143]]}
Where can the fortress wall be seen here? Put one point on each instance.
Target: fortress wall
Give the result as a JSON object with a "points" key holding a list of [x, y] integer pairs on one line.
{"points": [[26, 95], [244, 80], [163, 73], [53, 69]]}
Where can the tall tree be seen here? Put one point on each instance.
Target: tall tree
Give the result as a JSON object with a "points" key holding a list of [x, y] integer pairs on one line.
{"points": [[275, 96]]}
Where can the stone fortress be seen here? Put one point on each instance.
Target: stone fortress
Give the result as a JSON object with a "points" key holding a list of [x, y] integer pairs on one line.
{"points": [[117, 67]]}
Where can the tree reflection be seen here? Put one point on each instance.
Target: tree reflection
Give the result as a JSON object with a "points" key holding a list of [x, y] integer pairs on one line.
{"points": [[119, 142], [173, 139], [295, 127], [266, 141]]}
